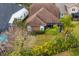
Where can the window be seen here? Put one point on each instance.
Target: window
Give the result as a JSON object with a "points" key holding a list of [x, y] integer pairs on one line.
{"points": [[20, 17], [73, 9], [24, 14], [29, 28], [41, 28], [62, 14]]}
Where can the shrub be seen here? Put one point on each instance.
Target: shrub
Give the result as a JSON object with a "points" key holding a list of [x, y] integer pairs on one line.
{"points": [[75, 51], [66, 20], [54, 30], [20, 23], [59, 44], [38, 33]]}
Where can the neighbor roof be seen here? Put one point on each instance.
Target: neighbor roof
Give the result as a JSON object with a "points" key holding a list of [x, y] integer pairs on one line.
{"points": [[6, 11], [61, 7], [72, 4], [49, 6]]}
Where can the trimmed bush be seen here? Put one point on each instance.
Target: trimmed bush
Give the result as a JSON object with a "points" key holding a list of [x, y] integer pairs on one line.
{"points": [[53, 31]]}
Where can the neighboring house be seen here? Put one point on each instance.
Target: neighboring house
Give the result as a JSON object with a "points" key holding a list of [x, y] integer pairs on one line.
{"points": [[9, 12], [72, 8], [62, 9], [42, 18]]}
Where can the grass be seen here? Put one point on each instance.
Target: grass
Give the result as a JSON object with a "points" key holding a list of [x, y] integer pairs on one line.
{"points": [[49, 34], [76, 30], [65, 53], [40, 39], [72, 52], [75, 51], [34, 41], [43, 38]]}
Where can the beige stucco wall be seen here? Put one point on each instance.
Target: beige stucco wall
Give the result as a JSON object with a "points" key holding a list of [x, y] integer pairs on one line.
{"points": [[35, 28], [70, 9]]}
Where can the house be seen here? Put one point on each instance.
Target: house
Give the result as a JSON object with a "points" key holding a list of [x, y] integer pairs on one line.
{"points": [[73, 9], [62, 9], [34, 23], [9, 12], [42, 17]]}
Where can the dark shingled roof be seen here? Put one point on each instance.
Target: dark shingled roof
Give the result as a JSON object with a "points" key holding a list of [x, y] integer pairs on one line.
{"points": [[6, 11]]}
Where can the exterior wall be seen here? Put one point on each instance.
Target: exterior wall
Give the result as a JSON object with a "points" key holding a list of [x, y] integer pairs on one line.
{"points": [[21, 14], [62, 9], [63, 14], [73, 9], [36, 28]]}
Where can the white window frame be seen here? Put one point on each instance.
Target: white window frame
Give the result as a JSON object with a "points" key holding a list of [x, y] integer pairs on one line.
{"points": [[29, 28], [24, 15], [42, 27]]}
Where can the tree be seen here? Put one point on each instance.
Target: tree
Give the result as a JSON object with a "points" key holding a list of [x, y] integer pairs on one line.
{"points": [[18, 44], [66, 20]]}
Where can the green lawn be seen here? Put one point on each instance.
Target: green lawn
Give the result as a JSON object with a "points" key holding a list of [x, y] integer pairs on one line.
{"points": [[75, 51], [76, 30], [72, 52]]}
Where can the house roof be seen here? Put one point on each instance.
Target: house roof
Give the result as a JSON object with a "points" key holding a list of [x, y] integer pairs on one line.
{"points": [[69, 5], [44, 16], [49, 6], [35, 21], [47, 16], [6, 11], [61, 7]]}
